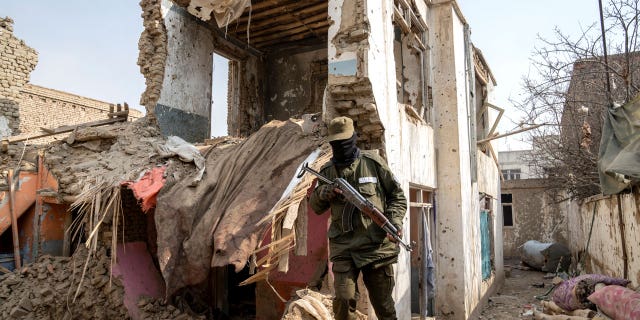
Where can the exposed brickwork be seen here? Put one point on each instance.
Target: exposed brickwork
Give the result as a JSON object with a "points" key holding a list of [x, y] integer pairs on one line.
{"points": [[355, 100], [153, 53], [49, 108], [17, 60]]}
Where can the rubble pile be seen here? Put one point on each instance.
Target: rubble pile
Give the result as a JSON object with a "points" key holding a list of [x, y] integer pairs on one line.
{"points": [[114, 153], [311, 305], [46, 289]]}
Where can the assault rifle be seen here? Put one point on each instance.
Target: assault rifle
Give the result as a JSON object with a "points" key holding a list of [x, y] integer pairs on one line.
{"points": [[359, 201]]}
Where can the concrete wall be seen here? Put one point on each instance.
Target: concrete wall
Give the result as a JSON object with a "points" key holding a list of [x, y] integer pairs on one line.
{"points": [[17, 60], [536, 215], [295, 83], [184, 106], [614, 248], [458, 260]]}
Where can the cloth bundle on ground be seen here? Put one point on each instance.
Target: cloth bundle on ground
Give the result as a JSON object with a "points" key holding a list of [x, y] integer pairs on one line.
{"points": [[215, 223], [546, 256], [617, 302], [573, 294]]}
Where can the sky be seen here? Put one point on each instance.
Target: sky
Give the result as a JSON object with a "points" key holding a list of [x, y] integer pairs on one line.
{"points": [[90, 48], [507, 31]]}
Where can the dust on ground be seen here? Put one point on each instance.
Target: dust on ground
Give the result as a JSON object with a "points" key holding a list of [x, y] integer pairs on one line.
{"points": [[518, 293]]}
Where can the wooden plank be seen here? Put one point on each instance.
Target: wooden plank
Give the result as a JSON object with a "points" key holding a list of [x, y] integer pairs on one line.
{"points": [[399, 19], [287, 17], [255, 16], [65, 129], [14, 220], [294, 37], [282, 27], [302, 29]]}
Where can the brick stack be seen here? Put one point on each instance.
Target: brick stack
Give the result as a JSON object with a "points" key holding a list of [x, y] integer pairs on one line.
{"points": [[17, 60], [355, 100]]}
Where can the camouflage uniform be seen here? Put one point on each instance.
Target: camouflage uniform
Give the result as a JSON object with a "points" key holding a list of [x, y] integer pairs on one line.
{"points": [[362, 246]]}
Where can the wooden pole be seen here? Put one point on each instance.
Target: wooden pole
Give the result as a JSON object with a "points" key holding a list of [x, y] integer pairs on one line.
{"points": [[14, 220]]}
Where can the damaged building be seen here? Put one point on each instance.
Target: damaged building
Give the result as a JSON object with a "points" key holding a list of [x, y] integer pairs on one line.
{"points": [[232, 232]]}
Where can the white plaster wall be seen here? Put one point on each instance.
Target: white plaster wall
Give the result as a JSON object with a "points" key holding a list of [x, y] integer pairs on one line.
{"points": [[380, 69], [187, 77], [459, 272], [335, 15], [418, 151]]}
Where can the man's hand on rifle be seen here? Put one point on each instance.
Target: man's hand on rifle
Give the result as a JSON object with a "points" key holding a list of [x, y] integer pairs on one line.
{"points": [[327, 192]]}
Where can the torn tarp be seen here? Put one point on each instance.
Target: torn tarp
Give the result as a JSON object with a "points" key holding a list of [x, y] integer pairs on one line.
{"points": [[215, 223], [619, 156], [147, 187]]}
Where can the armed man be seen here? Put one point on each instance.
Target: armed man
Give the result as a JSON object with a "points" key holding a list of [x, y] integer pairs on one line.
{"points": [[356, 243]]}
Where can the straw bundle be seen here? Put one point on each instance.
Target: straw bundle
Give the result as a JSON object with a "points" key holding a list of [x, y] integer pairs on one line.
{"points": [[97, 205]]}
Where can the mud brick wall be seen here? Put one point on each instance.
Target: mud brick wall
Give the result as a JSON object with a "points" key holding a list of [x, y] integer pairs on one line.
{"points": [[17, 60], [49, 108]]}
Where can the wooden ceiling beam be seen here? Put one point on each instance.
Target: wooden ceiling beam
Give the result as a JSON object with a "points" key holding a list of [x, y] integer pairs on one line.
{"points": [[284, 27], [289, 32], [296, 37], [255, 16]]}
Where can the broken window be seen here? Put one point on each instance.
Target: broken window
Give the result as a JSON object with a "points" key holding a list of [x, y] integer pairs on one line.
{"points": [[412, 58], [507, 209]]}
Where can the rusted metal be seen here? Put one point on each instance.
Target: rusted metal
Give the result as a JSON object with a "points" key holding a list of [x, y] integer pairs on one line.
{"points": [[14, 220]]}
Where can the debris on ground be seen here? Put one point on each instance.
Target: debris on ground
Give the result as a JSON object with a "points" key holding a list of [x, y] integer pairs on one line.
{"points": [[312, 305], [115, 153], [548, 257], [573, 294], [77, 287], [590, 296]]}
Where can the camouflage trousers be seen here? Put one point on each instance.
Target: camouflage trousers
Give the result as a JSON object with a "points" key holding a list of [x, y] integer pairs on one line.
{"points": [[379, 282]]}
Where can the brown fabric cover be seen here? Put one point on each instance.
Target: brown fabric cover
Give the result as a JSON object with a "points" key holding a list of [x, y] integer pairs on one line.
{"points": [[214, 223]]}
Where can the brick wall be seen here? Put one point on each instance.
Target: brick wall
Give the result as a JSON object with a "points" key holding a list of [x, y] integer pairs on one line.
{"points": [[17, 60], [49, 108]]}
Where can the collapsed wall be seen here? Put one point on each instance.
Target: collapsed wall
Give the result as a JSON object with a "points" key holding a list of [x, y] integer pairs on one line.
{"points": [[103, 155], [17, 60], [152, 53]]}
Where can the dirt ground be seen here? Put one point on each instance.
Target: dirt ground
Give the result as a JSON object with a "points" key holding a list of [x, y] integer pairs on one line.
{"points": [[517, 296]]}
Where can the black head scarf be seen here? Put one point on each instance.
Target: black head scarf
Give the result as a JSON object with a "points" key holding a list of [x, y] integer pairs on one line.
{"points": [[345, 151]]}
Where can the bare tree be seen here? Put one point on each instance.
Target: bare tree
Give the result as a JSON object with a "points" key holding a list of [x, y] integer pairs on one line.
{"points": [[568, 91]]}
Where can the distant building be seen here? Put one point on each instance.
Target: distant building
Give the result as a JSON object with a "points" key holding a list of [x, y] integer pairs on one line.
{"points": [[42, 107], [529, 210], [514, 165], [24, 107]]}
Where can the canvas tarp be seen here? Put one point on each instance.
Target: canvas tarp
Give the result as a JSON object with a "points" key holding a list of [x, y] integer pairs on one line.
{"points": [[619, 157], [215, 223]]}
